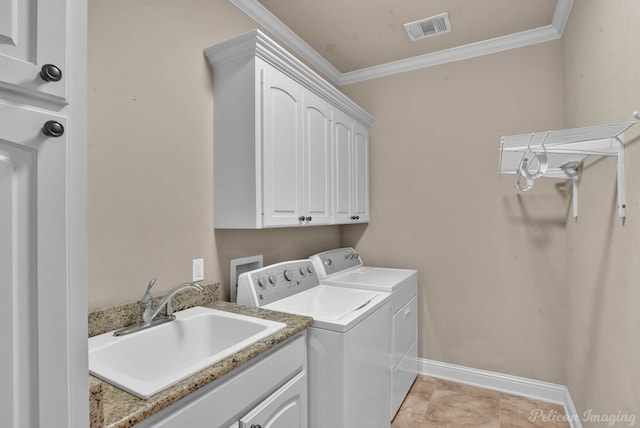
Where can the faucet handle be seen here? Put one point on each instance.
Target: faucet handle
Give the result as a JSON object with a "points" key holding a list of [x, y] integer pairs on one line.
{"points": [[151, 284], [146, 297]]}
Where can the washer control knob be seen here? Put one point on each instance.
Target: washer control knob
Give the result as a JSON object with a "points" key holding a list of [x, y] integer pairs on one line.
{"points": [[302, 271], [288, 275], [272, 279], [328, 262], [262, 282], [310, 270]]}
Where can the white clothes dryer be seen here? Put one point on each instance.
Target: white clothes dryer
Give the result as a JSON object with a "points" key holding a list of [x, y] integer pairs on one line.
{"points": [[343, 267], [349, 348]]}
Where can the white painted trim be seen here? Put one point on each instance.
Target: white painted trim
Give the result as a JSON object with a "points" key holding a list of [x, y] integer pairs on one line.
{"points": [[570, 409], [485, 47], [256, 43], [271, 23], [561, 15], [530, 388], [266, 19], [77, 410]]}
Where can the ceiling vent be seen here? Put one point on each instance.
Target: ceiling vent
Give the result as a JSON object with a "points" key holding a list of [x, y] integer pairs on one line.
{"points": [[438, 24]]}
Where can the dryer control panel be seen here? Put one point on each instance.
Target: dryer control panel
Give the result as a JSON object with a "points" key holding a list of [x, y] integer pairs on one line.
{"points": [[272, 283], [335, 261]]}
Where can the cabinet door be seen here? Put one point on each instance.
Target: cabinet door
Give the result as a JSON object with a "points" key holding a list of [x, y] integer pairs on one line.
{"points": [[281, 136], [316, 152], [342, 134], [285, 408], [360, 200], [32, 34], [33, 262]]}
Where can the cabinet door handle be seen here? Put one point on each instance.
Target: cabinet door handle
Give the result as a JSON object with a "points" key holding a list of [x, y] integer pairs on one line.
{"points": [[407, 312], [256, 426], [50, 73], [308, 218], [301, 218], [51, 128]]}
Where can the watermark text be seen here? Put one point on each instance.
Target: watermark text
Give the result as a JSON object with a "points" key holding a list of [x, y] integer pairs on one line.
{"points": [[611, 419]]}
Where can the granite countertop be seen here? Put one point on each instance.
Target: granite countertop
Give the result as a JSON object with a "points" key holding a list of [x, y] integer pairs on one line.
{"points": [[113, 407]]}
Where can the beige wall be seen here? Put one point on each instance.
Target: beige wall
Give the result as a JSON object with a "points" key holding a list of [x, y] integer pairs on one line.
{"points": [[490, 261], [150, 151], [602, 85]]}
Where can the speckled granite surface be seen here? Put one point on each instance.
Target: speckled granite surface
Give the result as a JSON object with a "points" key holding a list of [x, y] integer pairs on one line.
{"points": [[121, 409], [114, 317], [96, 415]]}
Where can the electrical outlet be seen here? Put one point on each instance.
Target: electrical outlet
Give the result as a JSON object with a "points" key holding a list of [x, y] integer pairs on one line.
{"points": [[198, 269]]}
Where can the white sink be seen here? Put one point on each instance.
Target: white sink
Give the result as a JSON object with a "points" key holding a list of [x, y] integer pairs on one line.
{"points": [[151, 360]]}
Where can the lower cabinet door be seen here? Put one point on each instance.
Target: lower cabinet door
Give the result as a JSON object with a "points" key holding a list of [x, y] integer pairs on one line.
{"points": [[285, 408]]}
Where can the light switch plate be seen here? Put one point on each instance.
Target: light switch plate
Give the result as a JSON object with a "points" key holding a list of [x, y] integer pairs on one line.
{"points": [[198, 269]]}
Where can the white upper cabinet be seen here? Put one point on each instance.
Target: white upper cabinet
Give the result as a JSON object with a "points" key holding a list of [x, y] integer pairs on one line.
{"points": [[351, 170], [316, 162], [360, 199], [342, 167], [282, 149], [277, 125], [33, 48]]}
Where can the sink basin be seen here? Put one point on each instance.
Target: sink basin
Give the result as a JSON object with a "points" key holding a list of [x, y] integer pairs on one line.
{"points": [[151, 360]]}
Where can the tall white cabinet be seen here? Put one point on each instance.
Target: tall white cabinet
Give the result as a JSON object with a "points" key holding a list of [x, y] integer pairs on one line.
{"points": [[289, 148], [43, 360], [33, 34]]}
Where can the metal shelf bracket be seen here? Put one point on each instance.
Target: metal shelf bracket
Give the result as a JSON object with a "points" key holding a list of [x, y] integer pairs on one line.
{"points": [[558, 154]]}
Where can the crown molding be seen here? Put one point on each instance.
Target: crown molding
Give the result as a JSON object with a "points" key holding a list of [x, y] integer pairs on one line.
{"points": [[257, 44], [254, 10], [485, 47], [271, 23], [561, 15]]}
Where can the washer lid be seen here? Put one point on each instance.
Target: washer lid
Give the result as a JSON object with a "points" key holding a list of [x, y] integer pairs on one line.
{"points": [[332, 308], [374, 278]]}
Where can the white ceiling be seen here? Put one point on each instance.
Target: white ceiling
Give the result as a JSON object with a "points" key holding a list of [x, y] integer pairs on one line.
{"points": [[356, 40]]}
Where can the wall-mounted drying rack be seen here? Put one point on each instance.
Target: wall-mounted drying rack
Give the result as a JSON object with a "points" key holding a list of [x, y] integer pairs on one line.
{"points": [[558, 154]]}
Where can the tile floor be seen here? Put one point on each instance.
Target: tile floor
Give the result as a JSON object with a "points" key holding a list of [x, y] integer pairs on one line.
{"points": [[437, 403]]}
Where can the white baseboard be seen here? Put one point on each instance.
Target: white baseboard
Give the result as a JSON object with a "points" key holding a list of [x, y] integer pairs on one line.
{"points": [[535, 389]]}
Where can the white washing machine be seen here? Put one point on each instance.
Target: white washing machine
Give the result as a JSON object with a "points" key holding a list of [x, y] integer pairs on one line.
{"points": [[349, 348], [343, 267]]}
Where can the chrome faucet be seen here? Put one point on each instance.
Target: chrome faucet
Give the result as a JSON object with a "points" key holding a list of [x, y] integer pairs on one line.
{"points": [[151, 315]]}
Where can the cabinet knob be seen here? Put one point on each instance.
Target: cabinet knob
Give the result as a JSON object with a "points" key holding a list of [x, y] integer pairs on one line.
{"points": [[301, 218], [50, 73], [256, 426], [308, 218], [51, 128]]}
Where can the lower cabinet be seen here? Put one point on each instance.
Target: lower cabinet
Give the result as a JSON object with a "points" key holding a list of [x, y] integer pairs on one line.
{"points": [[285, 408], [270, 392]]}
